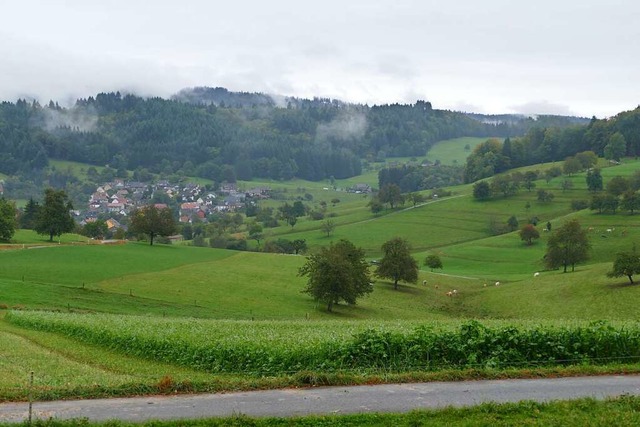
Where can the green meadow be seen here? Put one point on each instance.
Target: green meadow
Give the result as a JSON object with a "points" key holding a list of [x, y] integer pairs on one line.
{"points": [[452, 151], [177, 283]]}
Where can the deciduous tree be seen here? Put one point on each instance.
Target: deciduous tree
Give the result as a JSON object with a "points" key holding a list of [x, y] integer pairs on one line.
{"points": [[594, 180], [528, 233], [153, 222], [338, 272], [7, 220], [397, 263], [433, 262], [390, 193], [567, 246], [96, 229], [616, 148], [327, 227], [625, 264], [481, 190]]}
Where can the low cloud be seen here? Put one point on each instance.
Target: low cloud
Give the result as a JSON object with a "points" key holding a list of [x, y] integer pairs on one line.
{"points": [[542, 107], [348, 126], [80, 119]]}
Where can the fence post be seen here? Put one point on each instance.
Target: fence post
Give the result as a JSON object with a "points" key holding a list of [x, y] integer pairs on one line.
{"points": [[30, 396]]}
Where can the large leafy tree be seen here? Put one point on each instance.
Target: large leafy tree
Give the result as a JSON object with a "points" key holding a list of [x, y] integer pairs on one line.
{"points": [[397, 263], [567, 246], [481, 190], [528, 233], [337, 273], [96, 229], [390, 193], [616, 148], [7, 220], [153, 222], [630, 202], [625, 264], [594, 180], [433, 262], [54, 217]]}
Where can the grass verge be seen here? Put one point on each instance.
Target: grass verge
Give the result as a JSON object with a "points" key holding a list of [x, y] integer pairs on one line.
{"points": [[621, 411]]}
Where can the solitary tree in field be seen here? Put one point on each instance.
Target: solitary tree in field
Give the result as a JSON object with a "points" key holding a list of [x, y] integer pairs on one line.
{"points": [[337, 273], [7, 220], [625, 264], [54, 217], [397, 263], [153, 222], [528, 233], [327, 227], [433, 262], [567, 246]]}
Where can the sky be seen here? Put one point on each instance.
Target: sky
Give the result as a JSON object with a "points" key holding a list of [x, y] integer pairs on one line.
{"points": [[493, 56]]}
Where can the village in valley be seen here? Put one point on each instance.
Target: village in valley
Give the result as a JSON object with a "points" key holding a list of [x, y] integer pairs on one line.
{"points": [[115, 200]]}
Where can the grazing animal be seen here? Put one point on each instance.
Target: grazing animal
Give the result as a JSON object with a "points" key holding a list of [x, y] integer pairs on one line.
{"points": [[536, 274], [424, 283], [485, 285], [449, 294], [455, 292], [609, 230], [497, 283], [590, 229], [436, 286]]}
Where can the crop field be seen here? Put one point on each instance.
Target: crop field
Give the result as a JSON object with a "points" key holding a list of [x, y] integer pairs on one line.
{"points": [[246, 347]]}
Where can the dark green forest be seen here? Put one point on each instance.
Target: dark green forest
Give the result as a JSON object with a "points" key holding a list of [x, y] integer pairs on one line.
{"points": [[611, 138], [221, 135]]}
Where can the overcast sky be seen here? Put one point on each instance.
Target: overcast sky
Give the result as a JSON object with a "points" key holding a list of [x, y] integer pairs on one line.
{"points": [[577, 57]]}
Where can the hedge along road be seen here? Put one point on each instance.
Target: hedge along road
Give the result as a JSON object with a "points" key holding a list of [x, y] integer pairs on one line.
{"points": [[328, 400]]}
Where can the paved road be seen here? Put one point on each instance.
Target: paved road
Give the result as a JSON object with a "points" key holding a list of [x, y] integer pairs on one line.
{"points": [[328, 400]]}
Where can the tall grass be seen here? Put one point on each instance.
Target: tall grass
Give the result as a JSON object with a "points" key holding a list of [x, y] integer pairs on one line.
{"points": [[287, 347]]}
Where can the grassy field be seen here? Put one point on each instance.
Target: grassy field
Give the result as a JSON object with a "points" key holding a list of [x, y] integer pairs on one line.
{"points": [[183, 281], [451, 151]]}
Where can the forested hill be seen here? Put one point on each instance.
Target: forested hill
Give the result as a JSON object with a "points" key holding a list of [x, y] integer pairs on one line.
{"points": [[217, 134]]}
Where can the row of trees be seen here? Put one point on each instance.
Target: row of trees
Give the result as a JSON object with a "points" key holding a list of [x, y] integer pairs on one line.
{"points": [[340, 272], [52, 218], [612, 139]]}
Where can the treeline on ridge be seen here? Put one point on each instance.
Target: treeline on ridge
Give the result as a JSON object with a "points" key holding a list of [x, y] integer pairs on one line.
{"points": [[611, 138], [222, 135]]}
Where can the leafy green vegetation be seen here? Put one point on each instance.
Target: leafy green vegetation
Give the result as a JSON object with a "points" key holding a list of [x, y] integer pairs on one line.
{"points": [[288, 347]]}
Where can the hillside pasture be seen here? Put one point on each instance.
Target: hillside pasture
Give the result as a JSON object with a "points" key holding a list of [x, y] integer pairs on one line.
{"points": [[451, 151]]}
